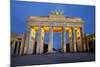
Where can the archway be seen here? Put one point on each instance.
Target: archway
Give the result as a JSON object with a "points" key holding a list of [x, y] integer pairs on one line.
{"points": [[56, 42]]}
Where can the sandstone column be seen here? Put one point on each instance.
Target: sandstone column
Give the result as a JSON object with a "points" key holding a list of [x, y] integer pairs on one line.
{"points": [[42, 41], [31, 41], [79, 39], [50, 45], [74, 39], [26, 43], [87, 44], [63, 36], [33, 38], [12, 47], [71, 43], [22, 46], [84, 42]]}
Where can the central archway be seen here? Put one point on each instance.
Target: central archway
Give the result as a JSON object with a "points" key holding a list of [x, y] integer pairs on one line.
{"points": [[57, 42]]}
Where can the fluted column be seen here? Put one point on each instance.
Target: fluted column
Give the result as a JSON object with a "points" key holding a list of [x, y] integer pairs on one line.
{"points": [[74, 40], [12, 47], [33, 38], [79, 39], [63, 35], [87, 44], [26, 43], [71, 41], [40, 41], [50, 45], [31, 42], [22, 46], [84, 42]]}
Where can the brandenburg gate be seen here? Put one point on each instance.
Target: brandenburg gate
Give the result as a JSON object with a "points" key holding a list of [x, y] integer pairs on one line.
{"points": [[55, 22]]}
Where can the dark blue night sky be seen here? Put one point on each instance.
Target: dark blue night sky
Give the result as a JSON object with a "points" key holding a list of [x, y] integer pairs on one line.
{"points": [[21, 10]]}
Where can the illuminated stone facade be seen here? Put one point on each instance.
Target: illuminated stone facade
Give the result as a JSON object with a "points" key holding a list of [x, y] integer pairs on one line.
{"points": [[17, 42], [55, 22]]}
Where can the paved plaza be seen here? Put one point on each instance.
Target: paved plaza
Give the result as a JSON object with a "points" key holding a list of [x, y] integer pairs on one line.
{"points": [[51, 58]]}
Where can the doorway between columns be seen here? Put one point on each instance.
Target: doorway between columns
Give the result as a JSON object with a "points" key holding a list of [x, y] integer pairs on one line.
{"points": [[56, 42]]}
